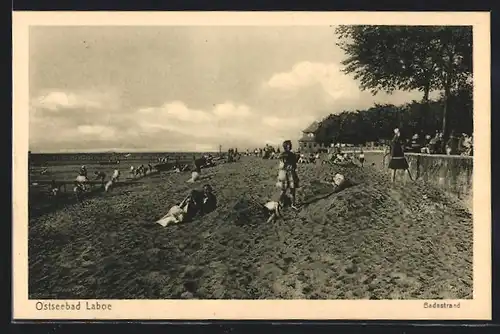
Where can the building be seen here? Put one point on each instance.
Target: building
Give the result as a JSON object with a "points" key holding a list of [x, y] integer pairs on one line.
{"points": [[307, 143]]}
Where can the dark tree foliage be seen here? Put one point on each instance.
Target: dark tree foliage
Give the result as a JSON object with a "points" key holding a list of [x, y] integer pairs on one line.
{"points": [[379, 121], [425, 58]]}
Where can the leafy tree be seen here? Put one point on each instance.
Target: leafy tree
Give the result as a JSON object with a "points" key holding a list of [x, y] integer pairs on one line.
{"points": [[425, 58], [378, 122]]}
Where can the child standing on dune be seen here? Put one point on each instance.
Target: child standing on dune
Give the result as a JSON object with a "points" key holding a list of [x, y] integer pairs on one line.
{"points": [[287, 176]]}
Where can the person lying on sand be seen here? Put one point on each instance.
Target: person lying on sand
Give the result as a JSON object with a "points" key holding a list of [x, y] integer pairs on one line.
{"points": [[195, 176], [337, 181], [198, 202], [287, 175]]}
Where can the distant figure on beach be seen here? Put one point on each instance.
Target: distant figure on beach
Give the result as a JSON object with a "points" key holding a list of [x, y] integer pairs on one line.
{"points": [[198, 202], [78, 190], [287, 175], [116, 175], [83, 171], [100, 176], [109, 185], [54, 189], [398, 160], [82, 179], [362, 158]]}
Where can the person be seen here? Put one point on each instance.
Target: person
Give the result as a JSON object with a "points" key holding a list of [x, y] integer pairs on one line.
{"points": [[398, 160], [467, 145], [362, 157], [435, 144], [338, 181], [82, 181], [198, 202], [415, 143], [54, 188], [287, 176], [426, 146], [109, 185], [452, 144], [100, 176], [274, 210], [78, 190], [83, 171], [116, 175]]}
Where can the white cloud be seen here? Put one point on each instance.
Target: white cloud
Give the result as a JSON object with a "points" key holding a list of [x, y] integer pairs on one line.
{"points": [[177, 117], [291, 123], [97, 131], [58, 100], [339, 91], [61, 100], [306, 74], [230, 111], [176, 111]]}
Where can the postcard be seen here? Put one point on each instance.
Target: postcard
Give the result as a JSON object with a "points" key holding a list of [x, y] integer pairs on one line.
{"points": [[251, 165]]}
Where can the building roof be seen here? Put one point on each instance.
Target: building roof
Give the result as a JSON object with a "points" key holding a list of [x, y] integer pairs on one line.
{"points": [[307, 139], [312, 128]]}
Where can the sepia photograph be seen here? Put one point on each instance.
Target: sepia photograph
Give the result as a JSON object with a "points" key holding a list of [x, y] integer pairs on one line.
{"points": [[285, 162]]}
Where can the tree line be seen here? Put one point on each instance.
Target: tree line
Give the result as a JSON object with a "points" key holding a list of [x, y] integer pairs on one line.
{"points": [[378, 122], [389, 58]]}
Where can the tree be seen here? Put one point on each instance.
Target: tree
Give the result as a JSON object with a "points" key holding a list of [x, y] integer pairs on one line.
{"points": [[426, 58]]}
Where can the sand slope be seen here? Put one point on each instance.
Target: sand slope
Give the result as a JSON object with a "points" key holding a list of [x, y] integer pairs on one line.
{"points": [[372, 240]]}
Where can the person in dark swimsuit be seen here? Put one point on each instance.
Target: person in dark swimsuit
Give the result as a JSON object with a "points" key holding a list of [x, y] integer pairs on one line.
{"points": [[398, 160], [200, 202], [291, 180]]}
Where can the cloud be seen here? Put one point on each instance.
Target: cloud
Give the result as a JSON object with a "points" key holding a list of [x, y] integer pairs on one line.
{"points": [[223, 119], [286, 103], [306, 74], [100, 131], [60, 100], [323, 86], [90, 100]]}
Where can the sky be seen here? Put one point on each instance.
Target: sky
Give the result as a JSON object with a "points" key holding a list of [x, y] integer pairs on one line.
{"points": [[185, 88]]}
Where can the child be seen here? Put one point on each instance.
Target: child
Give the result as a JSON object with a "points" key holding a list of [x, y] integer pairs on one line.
{"points": [[287, 177], [362, 158], [398, 160], [274, 210], [54, 189]]}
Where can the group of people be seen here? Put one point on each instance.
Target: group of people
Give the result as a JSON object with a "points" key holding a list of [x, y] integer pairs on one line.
{"points": [[197, 202], [455, 145], [81, 183], [141, 170], [266, 152]]}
